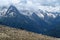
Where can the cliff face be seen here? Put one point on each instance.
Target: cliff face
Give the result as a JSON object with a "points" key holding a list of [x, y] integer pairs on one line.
{"points": [[7, 33]]}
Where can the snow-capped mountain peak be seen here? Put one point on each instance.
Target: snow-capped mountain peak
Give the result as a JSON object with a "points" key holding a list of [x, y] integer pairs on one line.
{"points": [[35, 20], [43, 14]]}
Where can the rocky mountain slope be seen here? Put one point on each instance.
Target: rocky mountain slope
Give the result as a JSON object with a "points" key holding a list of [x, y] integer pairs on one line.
{"points": [[38, 21]]}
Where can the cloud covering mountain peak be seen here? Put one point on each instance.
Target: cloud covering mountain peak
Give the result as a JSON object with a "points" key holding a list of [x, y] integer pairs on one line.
{"points": [[45, 5]]}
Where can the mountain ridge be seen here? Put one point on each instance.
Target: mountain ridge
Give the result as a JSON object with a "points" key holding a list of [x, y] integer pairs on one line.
{"points": [[34, 23]]}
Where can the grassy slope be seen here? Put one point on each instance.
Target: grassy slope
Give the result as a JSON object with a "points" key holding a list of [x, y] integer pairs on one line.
{"points": [[7, 33]]}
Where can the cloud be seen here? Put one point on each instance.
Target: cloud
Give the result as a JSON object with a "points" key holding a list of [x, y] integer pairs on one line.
{"points": [[39, 2], [47, 2], [3, 2], [8, 2], [42, 4]]}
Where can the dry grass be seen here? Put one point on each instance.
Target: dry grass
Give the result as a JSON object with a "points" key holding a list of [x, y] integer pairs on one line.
{"points": [[7, 33]]}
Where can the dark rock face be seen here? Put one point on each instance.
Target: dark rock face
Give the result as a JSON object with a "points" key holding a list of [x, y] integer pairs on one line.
{"points": [[17, 20]]}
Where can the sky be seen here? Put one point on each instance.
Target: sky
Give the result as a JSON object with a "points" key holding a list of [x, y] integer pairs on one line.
{"points": [[49, 5], [38, 2]]}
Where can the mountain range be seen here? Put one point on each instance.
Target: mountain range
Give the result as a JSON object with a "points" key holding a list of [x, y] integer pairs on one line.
{"points": [[42, 22]]}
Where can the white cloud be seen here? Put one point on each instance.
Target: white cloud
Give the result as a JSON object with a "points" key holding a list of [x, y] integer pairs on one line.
{"points": [[15, 1], [3, 2], [36, 4], [8, 2]]}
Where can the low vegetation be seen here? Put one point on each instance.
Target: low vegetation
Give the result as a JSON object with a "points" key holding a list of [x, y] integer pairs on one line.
{"points": [[8, 33]]}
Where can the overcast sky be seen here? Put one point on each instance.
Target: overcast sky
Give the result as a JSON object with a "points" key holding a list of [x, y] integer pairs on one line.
{"points": [[49, 5], [38, 2]]}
